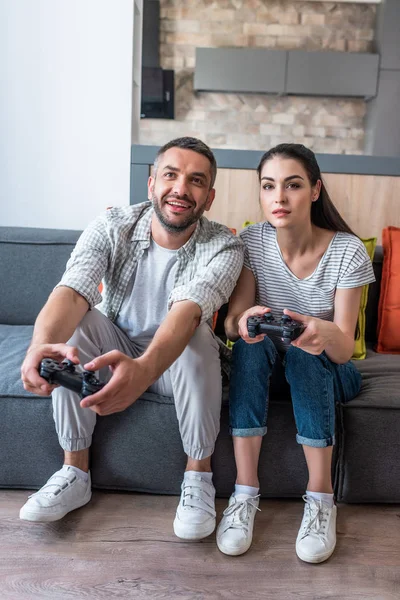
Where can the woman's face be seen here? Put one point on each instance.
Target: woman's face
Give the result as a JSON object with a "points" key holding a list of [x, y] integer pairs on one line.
{"points": [[286, 192]]}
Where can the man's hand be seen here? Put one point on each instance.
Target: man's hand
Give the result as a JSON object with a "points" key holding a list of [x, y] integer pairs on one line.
{"points": [[30, 367], [129, 380], [254, 311], [317, 334]]}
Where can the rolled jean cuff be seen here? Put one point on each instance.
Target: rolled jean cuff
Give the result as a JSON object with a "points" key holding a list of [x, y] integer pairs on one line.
{"points": [[315, 443], [248, 432], [75, 444]]}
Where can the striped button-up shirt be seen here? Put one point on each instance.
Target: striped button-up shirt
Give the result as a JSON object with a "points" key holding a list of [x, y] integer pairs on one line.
{"points": [[109, 249]]}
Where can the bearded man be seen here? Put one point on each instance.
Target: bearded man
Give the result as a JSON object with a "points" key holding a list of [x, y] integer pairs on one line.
{"points": [[165, 270]]}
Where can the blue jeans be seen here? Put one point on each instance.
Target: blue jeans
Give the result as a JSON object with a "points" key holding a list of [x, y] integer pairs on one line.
{"points": [[316, 384]]}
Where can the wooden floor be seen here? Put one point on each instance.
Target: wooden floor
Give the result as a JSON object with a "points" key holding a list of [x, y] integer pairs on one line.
{"points": [[123, 546]]}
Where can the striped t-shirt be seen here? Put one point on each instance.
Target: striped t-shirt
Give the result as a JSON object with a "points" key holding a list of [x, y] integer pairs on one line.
{"points": [[345, 264]]}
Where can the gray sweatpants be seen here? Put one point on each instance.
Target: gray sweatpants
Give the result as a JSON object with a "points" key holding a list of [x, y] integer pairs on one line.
{"points": [[194, 381]]}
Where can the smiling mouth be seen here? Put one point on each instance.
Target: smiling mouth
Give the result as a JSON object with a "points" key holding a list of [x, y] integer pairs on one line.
{"points": [[178, 205]]}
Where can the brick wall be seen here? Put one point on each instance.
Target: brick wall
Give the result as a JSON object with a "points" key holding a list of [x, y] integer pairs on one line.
{"points": [[258, 121]]}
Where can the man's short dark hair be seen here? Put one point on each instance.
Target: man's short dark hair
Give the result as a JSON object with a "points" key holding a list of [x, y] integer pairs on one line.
{"points": [[190, 143]]}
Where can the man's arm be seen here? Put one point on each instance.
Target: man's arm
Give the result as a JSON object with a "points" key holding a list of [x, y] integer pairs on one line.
{"points": [[133, 376], [67, 304], [215, 280], [54, 325], [171, 337]]}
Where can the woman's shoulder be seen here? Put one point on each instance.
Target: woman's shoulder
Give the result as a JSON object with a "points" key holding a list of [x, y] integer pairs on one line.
{"points": [[344, 236], [343, 242], [347, 242], [350, 250], [256, 231]]}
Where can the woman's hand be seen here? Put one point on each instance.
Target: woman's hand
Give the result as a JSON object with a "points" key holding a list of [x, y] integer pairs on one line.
{"points": [[254, 311], [317, 334]]}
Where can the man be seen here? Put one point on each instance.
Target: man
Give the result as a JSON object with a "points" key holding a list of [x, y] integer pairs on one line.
{"points": [[165, 269]]}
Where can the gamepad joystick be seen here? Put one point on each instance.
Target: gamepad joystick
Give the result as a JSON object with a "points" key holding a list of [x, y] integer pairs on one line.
{"points": [[287, 328], [65, 374]]}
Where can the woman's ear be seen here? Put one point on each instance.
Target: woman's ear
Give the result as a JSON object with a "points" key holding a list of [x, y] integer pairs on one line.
{"points": [[316, 190]]}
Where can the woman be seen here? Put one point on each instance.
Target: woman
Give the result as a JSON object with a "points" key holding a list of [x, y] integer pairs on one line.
{"points": [[304, 262]]}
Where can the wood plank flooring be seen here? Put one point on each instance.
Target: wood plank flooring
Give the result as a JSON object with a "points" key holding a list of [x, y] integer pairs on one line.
{"points": [[123, 546]]}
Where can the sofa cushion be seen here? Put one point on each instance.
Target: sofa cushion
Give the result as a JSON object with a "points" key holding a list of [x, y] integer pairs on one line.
{"points": [[14, 342], [389, 302], [139, 449], [380, 381], [29, 448], [369, 429], [32, 262]]}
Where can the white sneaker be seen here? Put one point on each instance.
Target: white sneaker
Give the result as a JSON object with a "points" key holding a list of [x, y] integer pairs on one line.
{"points": [[235, 531], [195, 515], [316, 539], [63, 492]]}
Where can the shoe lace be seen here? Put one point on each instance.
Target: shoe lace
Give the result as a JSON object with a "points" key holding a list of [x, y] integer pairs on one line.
{"points": [[316, 517], [237, 514], [195, 495], [54, 488]]}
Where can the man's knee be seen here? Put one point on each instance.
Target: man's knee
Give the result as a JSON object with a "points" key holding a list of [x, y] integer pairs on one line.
{"points": [[203, 344], [199, 364], [87, 327], [203, 335]]}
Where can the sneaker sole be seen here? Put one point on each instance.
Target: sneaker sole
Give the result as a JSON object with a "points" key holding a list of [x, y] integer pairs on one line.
{"points": [[315, 559], [182, 531], [36, 516], [232, 551]]}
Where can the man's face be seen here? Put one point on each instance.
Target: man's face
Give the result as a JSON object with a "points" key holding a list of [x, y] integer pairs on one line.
{"points": [[180, 189]]}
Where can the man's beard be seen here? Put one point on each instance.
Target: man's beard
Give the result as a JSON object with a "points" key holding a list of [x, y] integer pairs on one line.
{"points": [[171, 227]]}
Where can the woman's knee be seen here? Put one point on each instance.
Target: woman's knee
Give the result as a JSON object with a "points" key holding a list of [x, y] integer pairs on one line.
{"points": [[302, 367], [299, 359], [254, 353]]}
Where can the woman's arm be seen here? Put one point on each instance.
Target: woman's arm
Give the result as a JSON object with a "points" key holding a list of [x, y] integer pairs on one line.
{"points": [[241, 306], [335, 338], [243, 297], [346, 309]]}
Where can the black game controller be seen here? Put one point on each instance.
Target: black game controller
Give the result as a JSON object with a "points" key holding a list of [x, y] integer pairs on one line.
{"points": [[287, 329], [64, 374]]}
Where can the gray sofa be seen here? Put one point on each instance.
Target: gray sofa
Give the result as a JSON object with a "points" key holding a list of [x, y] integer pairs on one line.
{"points": [[140, 449]]}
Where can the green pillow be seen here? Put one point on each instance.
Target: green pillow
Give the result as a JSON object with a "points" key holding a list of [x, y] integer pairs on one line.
{"points": [[360, 350]]}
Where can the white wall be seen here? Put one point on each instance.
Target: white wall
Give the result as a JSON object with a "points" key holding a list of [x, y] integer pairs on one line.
{"points": [[65, 110]]}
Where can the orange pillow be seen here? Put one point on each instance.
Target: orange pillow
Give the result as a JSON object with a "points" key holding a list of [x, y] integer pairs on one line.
{"points": [[389, 300]]}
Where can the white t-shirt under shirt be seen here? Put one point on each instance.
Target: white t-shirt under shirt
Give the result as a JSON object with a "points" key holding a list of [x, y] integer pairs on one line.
{"points": [[345, 264], [145, 304]]}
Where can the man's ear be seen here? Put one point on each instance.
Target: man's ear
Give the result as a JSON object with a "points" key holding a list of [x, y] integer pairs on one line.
{"points": [[210, 199], [150, 187]]}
